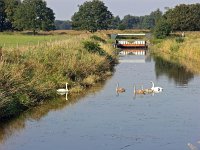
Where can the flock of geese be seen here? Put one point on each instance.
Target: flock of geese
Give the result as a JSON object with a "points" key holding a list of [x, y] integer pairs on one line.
{"points": [[153, 89]]}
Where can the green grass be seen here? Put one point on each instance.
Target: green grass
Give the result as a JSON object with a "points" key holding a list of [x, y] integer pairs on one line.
{"points": [[17, 40]]}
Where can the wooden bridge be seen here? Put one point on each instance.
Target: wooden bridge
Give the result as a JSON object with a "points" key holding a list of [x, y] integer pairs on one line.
{"points": [[128, 44]]}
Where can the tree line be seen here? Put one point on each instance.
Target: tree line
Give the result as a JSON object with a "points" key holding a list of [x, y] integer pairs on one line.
{"points": [[26, 15], [93, 16]]}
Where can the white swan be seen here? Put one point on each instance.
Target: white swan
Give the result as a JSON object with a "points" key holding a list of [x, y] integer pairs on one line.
{"points": [[63, 91], [156, 89]]}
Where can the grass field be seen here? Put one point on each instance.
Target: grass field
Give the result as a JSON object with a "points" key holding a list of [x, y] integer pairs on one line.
{"points": [[16, 40]]}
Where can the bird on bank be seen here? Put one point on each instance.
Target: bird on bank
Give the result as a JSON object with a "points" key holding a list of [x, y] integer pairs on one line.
{"points": [[156, 89], [119, 89]]}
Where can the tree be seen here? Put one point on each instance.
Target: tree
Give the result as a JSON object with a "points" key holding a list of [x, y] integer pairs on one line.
{"points": [[63, 25], [2, 15], [162, 29], [34, 15], [10, 9], [115, 22], [130, 21], [184, 17], [92, 16], [150, 21]]}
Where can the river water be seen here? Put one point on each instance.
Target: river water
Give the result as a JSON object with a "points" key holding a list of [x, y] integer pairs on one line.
{"points": [[103, 120]]}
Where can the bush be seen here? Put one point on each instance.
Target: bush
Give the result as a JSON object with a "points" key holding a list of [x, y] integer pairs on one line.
{"points": [[162, 29], [179, 39], [97, 38], [93, 47]]}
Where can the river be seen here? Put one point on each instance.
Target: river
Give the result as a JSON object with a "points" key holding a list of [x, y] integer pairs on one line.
{"points": [[103, 120]]}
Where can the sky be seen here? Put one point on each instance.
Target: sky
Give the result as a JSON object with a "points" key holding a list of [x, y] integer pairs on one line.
{"points": [[64, 9]]}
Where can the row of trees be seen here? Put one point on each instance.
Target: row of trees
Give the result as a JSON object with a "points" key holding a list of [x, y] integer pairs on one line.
{"points": [[181, 18], [94, 15], [26, 15]]}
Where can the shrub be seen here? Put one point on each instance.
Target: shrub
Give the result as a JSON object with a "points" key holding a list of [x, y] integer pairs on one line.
{"points": [[162, 29], [93, 47], [97, 38], [179, 39]]}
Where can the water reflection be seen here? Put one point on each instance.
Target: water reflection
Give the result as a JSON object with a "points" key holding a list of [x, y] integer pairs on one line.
{"points": [[10, 127], [178, 73], [142, 55], [133, 51]]}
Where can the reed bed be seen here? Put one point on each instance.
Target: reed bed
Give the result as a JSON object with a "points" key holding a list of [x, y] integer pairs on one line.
{"points": [[31, 74], [185, 51]]}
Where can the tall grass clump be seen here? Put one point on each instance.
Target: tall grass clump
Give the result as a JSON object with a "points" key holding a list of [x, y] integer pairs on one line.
{"points": [[30, 75]]}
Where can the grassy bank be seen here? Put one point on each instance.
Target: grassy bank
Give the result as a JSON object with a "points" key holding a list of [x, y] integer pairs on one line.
{"points": [[184, 51], [31, 74]]}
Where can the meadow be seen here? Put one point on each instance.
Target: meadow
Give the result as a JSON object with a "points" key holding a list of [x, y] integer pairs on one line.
{"points": [[31, 74]]}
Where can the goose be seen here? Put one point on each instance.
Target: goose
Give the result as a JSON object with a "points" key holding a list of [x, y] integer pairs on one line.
{"points": [[63, 91], [138, 91], [156, 89], [119, 89]]}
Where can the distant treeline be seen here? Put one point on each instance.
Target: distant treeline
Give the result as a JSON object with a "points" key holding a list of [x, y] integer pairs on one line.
{"points": [[94, 15], [63, 25]]}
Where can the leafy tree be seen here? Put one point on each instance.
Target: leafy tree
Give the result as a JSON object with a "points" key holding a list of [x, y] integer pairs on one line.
{"points": [[115, 22], [10, 8], [92, 16], [162, 29], [34, 15], [150, 21], [184, 17], [130, 21], [2, 15]]}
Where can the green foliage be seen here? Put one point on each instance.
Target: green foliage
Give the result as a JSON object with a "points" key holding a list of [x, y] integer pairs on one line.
{"points": [[10, 9], [92, 16], [97, 38], [122, 26], [2, 15], [93, 47], [130, 21], [115, 23], [162, 29], [184, 17], [38, 16], [179, 39], [63, 25]]}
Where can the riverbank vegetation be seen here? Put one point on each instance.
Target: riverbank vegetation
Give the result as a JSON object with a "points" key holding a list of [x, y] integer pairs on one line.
{"points": [[31, 74], [181, 50]]}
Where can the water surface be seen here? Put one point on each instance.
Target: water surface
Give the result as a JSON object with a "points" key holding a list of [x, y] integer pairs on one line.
{"points": [[103, 120]]}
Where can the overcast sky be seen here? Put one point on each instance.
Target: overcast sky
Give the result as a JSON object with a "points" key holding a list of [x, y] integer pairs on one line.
{"points": [[64, 9]]}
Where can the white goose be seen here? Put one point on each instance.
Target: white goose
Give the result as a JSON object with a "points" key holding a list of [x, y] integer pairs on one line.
{"points": [[156, 89], [63, 91]]}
